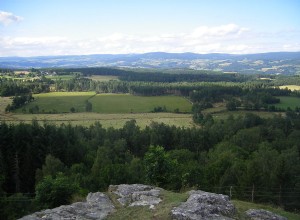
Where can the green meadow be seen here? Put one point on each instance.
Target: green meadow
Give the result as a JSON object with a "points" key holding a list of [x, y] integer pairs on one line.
{"points": [[287, 101], [125, 103], [62, 102], [58, 102]]}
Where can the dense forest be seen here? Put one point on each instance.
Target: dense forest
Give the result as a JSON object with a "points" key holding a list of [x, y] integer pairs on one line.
{"points": [[245, 153], [43, 165]]}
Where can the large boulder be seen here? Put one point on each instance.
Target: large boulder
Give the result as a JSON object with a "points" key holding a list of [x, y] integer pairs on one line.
{"points": [[204, 205], [97, 206], [136, 194], [261, 214]]}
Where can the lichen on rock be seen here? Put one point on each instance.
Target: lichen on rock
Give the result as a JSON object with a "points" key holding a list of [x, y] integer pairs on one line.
{"points": [[204, 205], [97, 206], [136, 194], [258, 214]]}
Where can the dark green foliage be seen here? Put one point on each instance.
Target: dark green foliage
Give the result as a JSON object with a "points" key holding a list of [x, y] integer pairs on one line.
{"points": [[51, 167], [159, 167], [10, 87], [72, 109], [88, 106], [19, 101], [239, 152], [53, 192], [160, 109]]}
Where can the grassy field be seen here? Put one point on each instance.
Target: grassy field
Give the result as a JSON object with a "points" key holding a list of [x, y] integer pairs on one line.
{"points": [[220, 112], [291, 87], [107, 120], [4, 101], [125, 103], [114, 109], [287, 101], [59, 101], [102, 78], [62, 102], [62, 77]]}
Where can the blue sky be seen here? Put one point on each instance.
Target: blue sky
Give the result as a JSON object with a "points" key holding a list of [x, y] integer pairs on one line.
{"points": [[62, 27]]}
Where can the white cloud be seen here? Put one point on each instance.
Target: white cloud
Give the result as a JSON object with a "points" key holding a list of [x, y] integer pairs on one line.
{"points": [[230, 38], [218, 31], [7, 17]]}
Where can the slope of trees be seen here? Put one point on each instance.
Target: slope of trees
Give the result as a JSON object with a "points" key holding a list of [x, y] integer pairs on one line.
{"points": [[246, 152]]}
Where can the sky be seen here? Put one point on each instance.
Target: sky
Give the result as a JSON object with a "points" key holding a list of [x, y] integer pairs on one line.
{"points": [[80, 27]]}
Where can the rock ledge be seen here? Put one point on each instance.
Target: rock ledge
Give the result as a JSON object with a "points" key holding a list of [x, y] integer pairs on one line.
{"points": [[204, 205], [97, 206], [136, 194]]}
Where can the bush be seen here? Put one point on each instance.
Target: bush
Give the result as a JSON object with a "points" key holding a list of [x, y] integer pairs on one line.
{"points": [[51, 192]]}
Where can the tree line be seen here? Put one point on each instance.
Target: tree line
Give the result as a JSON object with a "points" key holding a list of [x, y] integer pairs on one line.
{"points": [[10, 87], [242, 152]]}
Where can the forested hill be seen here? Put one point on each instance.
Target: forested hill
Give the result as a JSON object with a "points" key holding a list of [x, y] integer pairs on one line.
{"points": [[276, 62]]}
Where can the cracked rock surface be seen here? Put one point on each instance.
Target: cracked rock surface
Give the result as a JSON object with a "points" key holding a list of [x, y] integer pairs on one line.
{"points": [[259, 214], [204, 205], [97, 206], [136, 194]]}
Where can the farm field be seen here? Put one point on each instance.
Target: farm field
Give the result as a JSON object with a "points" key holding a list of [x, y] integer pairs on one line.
{"points": [[287, 101], [4, 101], [61, 102], [58, 102], [62, 77], [291, 87], [219, 112], [114, 109], [125, 103], [107, 120], [100, 78]]}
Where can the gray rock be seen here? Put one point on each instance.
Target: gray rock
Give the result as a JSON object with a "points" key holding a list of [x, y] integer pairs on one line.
{"points": [[204, 205], [97, 206], [261, 214], [136, 194]]}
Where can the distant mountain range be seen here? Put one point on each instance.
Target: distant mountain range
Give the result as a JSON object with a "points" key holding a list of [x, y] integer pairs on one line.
{"points": [[273, 63]]}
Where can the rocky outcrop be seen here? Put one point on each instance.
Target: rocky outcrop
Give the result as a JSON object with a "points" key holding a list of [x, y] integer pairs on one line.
{"points": [[261, 214], [199, 205], [97, 206], [204, 205], [136, 194]]}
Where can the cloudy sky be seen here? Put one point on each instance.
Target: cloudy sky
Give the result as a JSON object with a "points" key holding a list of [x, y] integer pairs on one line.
{"points": [[64, 27]]}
